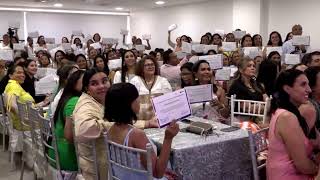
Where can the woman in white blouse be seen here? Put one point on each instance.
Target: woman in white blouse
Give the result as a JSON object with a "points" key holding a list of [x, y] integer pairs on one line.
{"points": [[127, 72], [148, 80]]}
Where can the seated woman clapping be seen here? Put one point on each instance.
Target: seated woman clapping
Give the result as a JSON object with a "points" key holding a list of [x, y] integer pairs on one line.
{"points": [[121, 106]]}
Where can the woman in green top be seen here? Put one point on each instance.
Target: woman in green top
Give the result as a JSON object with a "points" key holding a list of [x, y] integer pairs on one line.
{"points": [[63, 123]]}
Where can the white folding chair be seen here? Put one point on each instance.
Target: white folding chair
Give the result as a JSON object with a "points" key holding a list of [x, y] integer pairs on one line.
{"points": [[126, 160], [39, 159], [258, 143], [90, 158], [249, 108], [46, 131], [4, 122], [15, 136], [27, 135]]}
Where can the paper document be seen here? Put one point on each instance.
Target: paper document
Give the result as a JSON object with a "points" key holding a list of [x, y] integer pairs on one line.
{"points": [[223, 74], [215, 61], [198, 48], [301, 40], [124, 32], [146, 36], [206, 48], [96, 45], [77, 32], [201, 93], [46, 85], [114, 64], [171, 106], [34, 34], [6, 54], [140, 47], [186, 47], [292, 59], [14, 24], [172, 27], [277, 49], [229, 46], [18, 46], [239, 34], [50, 40]]}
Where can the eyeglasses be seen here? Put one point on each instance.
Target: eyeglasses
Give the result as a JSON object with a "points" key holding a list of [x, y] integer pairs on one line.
{"points": [[149, 65]]}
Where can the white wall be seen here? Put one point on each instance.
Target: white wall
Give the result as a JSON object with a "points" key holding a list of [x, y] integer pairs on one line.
{"points": [[193, 20], [58, 25], [285, 13], [6, 17]]}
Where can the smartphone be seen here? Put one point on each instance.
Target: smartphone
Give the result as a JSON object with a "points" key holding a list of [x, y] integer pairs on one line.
{"points": [[230, 129]]}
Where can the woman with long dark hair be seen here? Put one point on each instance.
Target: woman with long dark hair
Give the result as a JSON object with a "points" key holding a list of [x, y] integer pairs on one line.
{"points": [[129, 60], [63, 122], [290, 148]]}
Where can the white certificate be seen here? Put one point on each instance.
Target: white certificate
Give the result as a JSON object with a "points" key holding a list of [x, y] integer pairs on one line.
{"points": [[239, 34], [248, 50], [52, 46], [66, 46], [198, 48], [301, 40], [215, 61], [140, 47], [14, 24], [278, 49], [206, 48], [46, 85], [186, 47], [96, 45], [172, 27], [108, 40], [223, 74], [229, 46], [18, 46], [50, 40], [34, 34], [194, 59], [6, 54], [114, 64], [201, 93], [146, 36], [43, 72], [254, 54], [36, 49], [181, 55], [233, 70], [124, 32], [171, 106], [292, 59], [77, 32]]}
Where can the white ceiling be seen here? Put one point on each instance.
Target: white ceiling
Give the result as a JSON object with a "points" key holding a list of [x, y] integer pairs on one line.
{"points": [[100, 5]]}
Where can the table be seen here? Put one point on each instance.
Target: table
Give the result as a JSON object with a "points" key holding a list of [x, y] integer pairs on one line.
{"points": [[222, 156]]}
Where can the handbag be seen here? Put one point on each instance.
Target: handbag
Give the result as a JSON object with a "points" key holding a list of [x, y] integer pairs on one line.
{"points": [[200, 128]]}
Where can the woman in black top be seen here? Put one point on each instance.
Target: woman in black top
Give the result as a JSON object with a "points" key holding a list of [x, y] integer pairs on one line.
{"points": [[244, 86], [30, 67]]}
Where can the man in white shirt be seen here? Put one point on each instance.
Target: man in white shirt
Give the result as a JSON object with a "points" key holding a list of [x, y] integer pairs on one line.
{"points": [[288, 46], [6, 42]]}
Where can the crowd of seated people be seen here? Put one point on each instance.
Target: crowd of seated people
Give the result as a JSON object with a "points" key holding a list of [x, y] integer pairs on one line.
{"points": [[99, 98]]}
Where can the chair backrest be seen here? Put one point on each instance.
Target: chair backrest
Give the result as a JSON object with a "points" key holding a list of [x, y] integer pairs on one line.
{"points": [[124, 160], [5, 101], [88, 145], [249, 108], [3, 112], [33, 116], [258, 143], [47, 129]]}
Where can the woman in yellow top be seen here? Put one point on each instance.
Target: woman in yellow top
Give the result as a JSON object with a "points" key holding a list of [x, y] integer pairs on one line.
{"points": [[14, 90]]}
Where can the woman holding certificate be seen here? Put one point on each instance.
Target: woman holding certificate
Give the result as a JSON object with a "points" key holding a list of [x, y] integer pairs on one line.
{"points": [[216, 109], [149, 84], [122, 104]]}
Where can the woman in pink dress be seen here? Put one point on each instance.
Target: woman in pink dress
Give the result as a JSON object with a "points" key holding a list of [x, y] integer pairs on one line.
{"points": [[290, 148]]}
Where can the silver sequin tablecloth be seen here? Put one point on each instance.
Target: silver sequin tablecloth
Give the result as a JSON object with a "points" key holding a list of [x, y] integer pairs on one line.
{"points": [[225, 156]]}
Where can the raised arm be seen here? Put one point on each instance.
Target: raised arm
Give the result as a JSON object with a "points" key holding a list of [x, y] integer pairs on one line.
{"points": [[148, 47], [171, 44]]}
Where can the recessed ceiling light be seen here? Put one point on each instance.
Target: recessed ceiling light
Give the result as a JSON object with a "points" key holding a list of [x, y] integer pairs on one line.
{"points": [[160, 2], [58, 5], [118, 8], [43, 1]]}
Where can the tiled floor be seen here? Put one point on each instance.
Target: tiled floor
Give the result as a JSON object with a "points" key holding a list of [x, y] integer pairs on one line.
{"points": [[5, 170]]}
